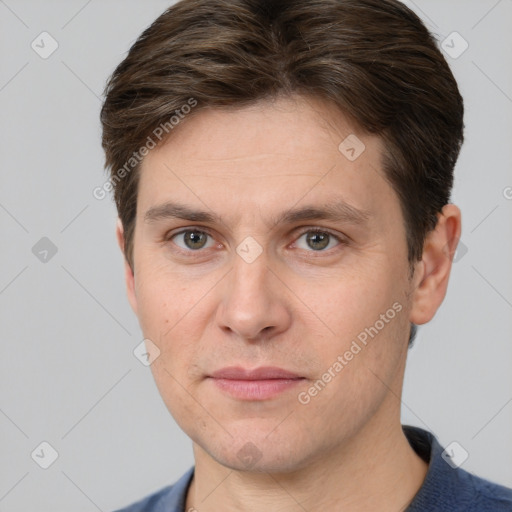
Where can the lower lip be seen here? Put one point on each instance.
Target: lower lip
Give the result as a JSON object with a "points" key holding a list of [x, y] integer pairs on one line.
{"points": [[256, 389]]}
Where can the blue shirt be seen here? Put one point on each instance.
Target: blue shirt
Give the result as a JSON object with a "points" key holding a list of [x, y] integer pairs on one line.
{"points": [[445, 488]]}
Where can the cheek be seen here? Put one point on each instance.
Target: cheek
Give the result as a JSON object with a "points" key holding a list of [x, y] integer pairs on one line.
{"points": [[174, 310], [356, 377], [362, 319], [167, 309], [348, 304], [164, 298]]}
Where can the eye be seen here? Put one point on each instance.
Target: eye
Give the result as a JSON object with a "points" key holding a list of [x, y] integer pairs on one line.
{"points": [[318, 240], [192, 239]]}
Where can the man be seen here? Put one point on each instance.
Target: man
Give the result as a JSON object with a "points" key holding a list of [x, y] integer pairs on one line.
{"points": [[282, 173]]}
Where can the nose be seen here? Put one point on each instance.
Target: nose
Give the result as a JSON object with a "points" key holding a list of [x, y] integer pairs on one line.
{"points": [[253, 304]]}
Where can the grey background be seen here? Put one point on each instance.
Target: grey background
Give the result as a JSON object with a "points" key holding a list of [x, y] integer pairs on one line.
{"points": [[68, 375]]}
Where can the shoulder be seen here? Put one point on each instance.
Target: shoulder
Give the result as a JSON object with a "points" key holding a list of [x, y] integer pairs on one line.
{"points": [[486, 495], [168, 499], [449, 487], [150, 503]]}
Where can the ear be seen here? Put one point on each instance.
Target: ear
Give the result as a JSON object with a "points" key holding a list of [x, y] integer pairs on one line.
{"points": [[128, 272], [432, 273]]}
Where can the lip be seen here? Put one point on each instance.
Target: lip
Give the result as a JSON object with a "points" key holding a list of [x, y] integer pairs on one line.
{"points": [[261, 383], [261, 373]]}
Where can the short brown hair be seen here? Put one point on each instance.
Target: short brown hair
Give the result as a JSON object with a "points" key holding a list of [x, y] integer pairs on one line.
{"points": [[374, 59]]}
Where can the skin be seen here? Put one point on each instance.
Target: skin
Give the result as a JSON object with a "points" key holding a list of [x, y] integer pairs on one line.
{"points": [[295, 306]]}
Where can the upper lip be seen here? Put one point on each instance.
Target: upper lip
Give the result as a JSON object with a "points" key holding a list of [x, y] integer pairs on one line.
{"points": [[261, 373]]}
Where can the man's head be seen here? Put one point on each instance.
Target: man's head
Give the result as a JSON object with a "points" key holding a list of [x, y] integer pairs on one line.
{"points": [[373, 59], [282, 172]]}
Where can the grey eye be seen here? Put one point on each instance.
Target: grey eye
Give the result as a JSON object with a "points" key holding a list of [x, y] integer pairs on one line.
{"points": [[192, 238], [316, 240]]}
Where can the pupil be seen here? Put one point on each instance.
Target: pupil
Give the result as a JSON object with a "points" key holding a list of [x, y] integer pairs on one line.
{"points": [[194, 240], [322, 238]]}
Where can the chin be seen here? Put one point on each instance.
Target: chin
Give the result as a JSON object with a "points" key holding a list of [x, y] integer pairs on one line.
{"points": [[269, 464], [253, 452]]}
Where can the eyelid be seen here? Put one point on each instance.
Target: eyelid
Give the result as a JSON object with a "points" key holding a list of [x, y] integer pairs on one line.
{"points": [[341, 239], [320, 229], [170, 234]]}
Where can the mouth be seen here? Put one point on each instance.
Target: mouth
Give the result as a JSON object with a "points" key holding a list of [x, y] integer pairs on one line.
{"points": [[259, 384]]}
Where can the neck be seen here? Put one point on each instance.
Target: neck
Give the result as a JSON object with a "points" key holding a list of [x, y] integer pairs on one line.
{"points": [[375, 471]]}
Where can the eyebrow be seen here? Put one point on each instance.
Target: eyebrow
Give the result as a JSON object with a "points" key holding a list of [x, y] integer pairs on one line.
{"points": [[337, 211]]}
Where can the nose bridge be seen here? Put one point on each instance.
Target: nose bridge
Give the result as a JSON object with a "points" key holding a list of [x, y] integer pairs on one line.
{"points": [[250, 301], [250, 275], [249, 279], [250, 263]]}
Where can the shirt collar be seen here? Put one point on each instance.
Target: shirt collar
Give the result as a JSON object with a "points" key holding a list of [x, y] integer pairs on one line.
{"points": [[442, 484]]}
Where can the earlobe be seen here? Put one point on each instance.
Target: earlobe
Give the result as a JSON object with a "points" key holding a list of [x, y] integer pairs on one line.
{"points": [[438, 251], [128, 272]]}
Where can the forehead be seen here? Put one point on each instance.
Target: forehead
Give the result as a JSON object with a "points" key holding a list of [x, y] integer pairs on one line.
{"points": [[265, 158], [287, 126]]}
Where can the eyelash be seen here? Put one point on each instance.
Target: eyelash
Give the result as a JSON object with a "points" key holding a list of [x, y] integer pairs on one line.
{"points": [[198, 253]]}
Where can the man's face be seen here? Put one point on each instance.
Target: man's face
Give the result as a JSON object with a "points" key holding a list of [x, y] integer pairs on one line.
{"points": [[250, 288]]}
